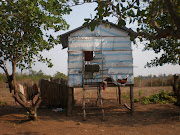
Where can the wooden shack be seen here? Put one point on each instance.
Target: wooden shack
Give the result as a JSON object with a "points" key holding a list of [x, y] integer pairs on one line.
{"points": [[99, 58]]}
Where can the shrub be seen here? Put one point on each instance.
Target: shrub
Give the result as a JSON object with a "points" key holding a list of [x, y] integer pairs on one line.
{"points": [[140, 93], [162, 97]]}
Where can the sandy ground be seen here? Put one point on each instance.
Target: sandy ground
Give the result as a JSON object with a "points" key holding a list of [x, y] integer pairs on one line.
{"points": [[151, 119]]}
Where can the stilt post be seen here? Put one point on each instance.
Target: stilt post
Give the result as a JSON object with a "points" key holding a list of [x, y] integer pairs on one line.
{"points": [[119, 94], [69, 102], [132, 99]]}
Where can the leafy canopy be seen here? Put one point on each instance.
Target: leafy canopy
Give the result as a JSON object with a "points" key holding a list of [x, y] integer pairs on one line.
{"points": [[157, 22], [23, 29], [60, 75]]}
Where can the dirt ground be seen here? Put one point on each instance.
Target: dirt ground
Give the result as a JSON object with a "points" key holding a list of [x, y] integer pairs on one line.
{"points": [[151, 119]]}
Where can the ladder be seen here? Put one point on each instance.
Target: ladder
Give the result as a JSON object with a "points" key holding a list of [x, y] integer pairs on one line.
{"points": [[84, 86]]}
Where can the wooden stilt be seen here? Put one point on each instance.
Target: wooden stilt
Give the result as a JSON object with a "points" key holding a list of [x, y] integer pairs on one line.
{"points": [[119, 94], [83, 85], [84, 105], [69, 102], [97, 95], [101, 102], [132, 99]]}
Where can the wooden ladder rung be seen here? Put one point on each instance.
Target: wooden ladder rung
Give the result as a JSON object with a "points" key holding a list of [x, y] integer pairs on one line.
{"points": [[89, 108], [89, 98]]}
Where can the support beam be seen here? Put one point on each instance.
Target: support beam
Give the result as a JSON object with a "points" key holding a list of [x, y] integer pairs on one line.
{"points": [[132, 99], [70, 102], [84, 105], [119, 94]]}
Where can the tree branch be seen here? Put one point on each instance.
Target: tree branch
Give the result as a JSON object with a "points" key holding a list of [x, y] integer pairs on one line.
{"points": [[161, 34], [21, 102], [37, 103], [3, 66], [172, 12]]}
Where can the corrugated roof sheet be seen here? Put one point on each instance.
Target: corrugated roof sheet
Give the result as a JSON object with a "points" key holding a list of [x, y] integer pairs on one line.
{"points": [[64, 37]]}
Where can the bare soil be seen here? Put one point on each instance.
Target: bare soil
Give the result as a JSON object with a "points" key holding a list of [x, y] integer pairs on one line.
{"points": [[151, 119]]}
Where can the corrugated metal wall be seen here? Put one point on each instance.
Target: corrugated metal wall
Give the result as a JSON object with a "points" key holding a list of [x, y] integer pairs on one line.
{"points": [[112, 49]]}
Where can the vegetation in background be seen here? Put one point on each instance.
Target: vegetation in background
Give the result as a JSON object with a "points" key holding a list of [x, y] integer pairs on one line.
{"points": [[60, 75], [162, 97], [125, 95], [150, 81], [157, 24], [33, 76]]}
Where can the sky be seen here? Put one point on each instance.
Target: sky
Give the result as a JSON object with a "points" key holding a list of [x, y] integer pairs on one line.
{"points": [[75, 19]]}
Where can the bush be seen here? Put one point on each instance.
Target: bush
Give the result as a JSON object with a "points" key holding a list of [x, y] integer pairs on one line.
{"points": [[162, 97]]}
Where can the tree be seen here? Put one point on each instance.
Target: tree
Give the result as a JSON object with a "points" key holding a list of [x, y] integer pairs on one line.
{"points": [[157, 25], [23, 35], [60, 75], [157, 22]]}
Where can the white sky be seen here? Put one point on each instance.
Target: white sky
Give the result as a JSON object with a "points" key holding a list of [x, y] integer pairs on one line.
{"points": [[76, 19]]}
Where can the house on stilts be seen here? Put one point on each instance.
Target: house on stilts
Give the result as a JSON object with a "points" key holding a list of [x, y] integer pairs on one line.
{"points": [[99, 58]]}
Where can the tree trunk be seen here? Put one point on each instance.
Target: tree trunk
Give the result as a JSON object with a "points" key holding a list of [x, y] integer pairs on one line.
{"points": [[32, 112]]}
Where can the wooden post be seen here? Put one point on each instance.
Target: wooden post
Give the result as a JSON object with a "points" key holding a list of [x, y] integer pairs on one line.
{"points": [[84, 105], [69, 102], [132, 99], [175, 84], [119, 94], [83, 86]]}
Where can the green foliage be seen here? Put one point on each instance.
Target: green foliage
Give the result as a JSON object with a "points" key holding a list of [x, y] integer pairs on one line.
{"points": [[158, 23], [162, 97], [3, 77], [140, 93], [125, 95], [60, 75], [136, 100], [3, 103], [23, 30], [33, 76]]}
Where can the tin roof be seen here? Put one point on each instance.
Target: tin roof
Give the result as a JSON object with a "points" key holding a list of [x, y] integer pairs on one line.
{"points": [[64, 37]]}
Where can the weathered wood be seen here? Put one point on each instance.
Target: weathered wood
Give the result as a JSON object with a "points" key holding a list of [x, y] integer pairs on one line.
{"points": [[101, 102], [70, 102], [54, 93], [132, 99], [175, 88], [83, 85], [127, 106], [119, 94], [84, 106]]}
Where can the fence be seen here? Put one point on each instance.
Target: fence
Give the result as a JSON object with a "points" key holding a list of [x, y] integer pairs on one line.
{"points": [[154, 81], [54, 93]]}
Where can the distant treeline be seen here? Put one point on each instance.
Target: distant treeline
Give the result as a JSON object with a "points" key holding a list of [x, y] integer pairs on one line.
{"points": [[33, 76], [140, 81], [150, 81]]}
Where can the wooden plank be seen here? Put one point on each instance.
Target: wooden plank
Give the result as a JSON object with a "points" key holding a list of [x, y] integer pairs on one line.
{"points": [[127, 106]]}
